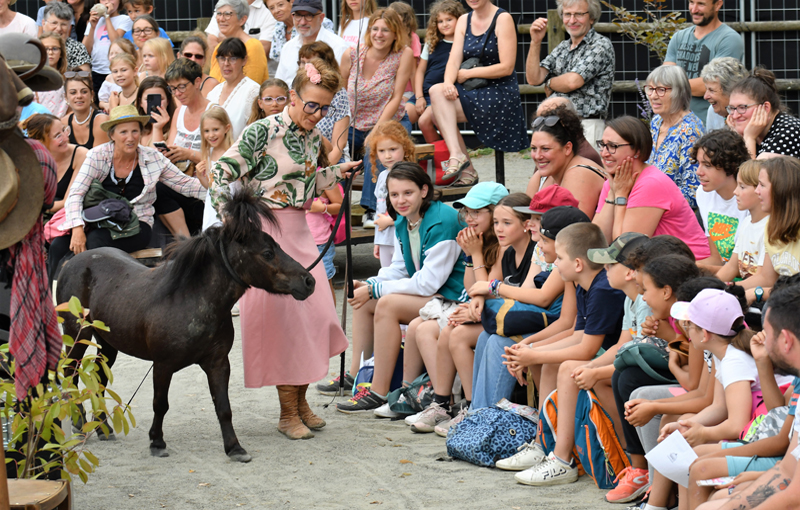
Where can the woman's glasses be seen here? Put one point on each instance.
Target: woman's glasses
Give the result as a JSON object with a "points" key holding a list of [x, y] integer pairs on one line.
{"points": [[548, 121], [143, 31], [660, 91], [227, 60], [194, 56], [276, 100], [64, 133], [311, 108], [740, 109], [224, 15], [465, 213], [610, 147], [179, 88], [53, 49]]}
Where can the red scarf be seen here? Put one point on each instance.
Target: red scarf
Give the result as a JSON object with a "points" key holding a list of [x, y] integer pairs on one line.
{"points": [[34, 338]]}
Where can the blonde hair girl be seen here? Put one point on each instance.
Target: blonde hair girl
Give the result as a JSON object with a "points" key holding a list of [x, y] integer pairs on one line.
{"points": [[156, 57]]}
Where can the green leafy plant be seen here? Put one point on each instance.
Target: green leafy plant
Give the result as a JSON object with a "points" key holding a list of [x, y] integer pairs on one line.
{"points": [[653, 30], [36, 433]]}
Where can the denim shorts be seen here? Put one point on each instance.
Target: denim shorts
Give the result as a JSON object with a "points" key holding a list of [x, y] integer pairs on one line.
{"points": [[327, 260]]}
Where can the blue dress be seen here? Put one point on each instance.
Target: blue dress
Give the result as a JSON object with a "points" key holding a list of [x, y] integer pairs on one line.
{"points": [[494, 112]]}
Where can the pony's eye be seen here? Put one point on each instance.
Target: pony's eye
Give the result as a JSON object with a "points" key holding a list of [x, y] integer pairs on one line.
{"points": [[269, 254]]}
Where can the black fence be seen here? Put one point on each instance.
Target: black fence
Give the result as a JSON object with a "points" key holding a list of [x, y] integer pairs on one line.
{"points": [[777, 50]]}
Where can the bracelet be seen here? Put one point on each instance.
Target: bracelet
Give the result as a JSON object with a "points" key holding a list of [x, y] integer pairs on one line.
{"points": [[494, 287], [479, 267], [326, 208], [467, 264], [610, 202]]}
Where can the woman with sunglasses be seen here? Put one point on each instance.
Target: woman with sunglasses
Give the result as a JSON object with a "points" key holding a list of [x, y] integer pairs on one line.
{"points": [[335, 125], [755, 112], [236, 92], [285, 342], [85, 120], [674, 128], [231, 16], [49, 130], [638, 197], [195, 48], [554, 145]]}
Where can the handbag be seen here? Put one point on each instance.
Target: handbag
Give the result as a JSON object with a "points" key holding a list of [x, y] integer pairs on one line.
{"points": [[471, 63], [413, 398], [489, 434], [648, 353]]}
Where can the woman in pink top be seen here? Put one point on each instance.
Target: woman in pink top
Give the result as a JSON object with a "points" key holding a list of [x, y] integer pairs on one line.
{"points": [[376, 90], [640, 198]]}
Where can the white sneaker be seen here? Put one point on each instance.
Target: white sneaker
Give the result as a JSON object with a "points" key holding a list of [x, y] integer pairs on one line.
{"points": [[550, 472], [433, 415], [369, 220], [527, 456], [410, 420], [385, 412]]}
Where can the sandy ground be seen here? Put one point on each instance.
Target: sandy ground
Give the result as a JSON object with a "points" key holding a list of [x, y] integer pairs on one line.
{"points": [[357, 461]]}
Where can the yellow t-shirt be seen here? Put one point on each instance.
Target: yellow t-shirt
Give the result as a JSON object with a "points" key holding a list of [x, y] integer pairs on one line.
{"points": [[785, 257], [255, 68]]}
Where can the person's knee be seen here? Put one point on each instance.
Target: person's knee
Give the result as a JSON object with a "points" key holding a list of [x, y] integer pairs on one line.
{"points": [[437, 90]]}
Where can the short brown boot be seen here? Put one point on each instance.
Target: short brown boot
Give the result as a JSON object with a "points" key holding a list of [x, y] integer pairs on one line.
{"points": [[290, 424], [311, 420]]}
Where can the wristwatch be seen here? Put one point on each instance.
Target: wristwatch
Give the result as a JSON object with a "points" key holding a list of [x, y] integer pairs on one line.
{"points": [[620, 201], [759, 292]]}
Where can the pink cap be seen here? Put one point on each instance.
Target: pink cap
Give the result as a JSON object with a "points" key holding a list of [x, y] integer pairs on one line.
{"points": [[711, 309]]}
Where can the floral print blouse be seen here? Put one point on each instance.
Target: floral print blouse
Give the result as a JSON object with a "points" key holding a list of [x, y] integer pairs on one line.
{"points": [[277, 160], [373, 94], [673, 156]]}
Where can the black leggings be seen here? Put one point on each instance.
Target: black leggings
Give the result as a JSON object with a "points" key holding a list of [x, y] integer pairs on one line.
{"points": [[624, 383], [168, 200], [95, 238]]}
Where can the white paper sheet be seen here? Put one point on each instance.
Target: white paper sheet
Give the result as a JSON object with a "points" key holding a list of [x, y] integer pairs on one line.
{"points": [[672, 458]]}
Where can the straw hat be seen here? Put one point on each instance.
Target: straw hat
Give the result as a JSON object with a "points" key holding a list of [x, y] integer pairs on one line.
{"points": [[21, 189], [122, 114]]}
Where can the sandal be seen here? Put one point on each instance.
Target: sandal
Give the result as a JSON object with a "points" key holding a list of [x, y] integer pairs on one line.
{"points": [[455, 167], [469, 177]]}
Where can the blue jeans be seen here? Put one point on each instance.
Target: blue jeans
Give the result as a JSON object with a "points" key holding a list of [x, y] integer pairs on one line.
{"points": [[357, 139], [490, 378]]}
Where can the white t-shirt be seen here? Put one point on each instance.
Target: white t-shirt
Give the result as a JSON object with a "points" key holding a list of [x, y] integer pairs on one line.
{"points": [[714, 121], [750, 246], [384, 237], [739, 366], [239, 103], [259, 18], [720, 220], [351, 34], [21, 23], [102, 43], [635, 314], [287, 66]]}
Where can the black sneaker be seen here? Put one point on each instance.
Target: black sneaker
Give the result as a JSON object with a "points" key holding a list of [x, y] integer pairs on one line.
{"points": [[364, 400], [331, 388]]}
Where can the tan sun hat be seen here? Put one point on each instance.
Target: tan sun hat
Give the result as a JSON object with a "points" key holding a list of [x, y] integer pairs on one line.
{"points": [[21, 189], [122, 114]]}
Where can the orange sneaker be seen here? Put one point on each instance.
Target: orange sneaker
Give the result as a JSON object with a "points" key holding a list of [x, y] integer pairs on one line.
{"points": [[633, 483]]}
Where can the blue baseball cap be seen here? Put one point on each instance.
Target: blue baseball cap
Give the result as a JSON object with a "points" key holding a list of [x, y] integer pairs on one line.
{"points": [[482, 195]]}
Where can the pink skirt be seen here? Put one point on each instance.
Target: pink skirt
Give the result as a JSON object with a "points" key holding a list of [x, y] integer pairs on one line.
{"points": [[285, 341]]}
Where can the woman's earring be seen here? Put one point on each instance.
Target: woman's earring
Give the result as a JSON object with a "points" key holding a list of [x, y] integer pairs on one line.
{"points": [[292, 103]]}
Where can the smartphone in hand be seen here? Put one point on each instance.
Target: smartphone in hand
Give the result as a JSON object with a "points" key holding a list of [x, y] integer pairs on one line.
{"points": [[161, 146], [153, 102]]}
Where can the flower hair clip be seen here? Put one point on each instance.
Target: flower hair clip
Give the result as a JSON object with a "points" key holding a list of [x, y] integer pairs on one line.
{"points": [[313, 75]]}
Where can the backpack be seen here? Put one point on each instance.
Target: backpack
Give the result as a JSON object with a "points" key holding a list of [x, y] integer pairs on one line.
{"points": [[597, 448], [489, 434]]}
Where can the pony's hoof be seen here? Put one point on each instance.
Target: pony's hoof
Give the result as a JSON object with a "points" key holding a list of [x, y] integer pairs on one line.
{"points": [[159, 452], [239, 454], [103, 437]]}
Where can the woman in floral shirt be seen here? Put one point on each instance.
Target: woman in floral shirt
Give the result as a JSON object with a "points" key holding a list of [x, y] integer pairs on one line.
{"points": [[285, 342]]}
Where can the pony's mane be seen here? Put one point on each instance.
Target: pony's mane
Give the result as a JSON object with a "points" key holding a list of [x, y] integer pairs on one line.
{"points": [[188, 259]]}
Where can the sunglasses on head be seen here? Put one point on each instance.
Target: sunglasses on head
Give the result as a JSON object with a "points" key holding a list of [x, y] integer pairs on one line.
{"points": [[78, 74], [548, 121]]}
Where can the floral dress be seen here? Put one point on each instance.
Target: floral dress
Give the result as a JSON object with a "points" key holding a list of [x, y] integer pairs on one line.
{"points": [[673, 156], [281, 344]]}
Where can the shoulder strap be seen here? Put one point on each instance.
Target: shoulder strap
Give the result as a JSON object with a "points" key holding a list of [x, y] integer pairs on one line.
{"points": [[72, 160], [593, 169], [489, 31]]}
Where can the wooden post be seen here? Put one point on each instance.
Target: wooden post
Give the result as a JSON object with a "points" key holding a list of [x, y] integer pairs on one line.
{"points": [[4, 502], [555, 30]]}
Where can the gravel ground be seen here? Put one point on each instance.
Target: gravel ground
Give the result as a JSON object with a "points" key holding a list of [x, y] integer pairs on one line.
{"points": [[357, 461]]}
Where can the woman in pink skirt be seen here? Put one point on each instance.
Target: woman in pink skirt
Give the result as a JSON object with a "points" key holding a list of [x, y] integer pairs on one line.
{"points": [[285, 342]]}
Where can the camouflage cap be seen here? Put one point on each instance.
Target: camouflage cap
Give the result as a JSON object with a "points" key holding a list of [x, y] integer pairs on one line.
{"points": [[619, 249]]}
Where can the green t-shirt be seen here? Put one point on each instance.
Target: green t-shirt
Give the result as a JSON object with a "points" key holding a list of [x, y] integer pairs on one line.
{"points": [[692, 54]]}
